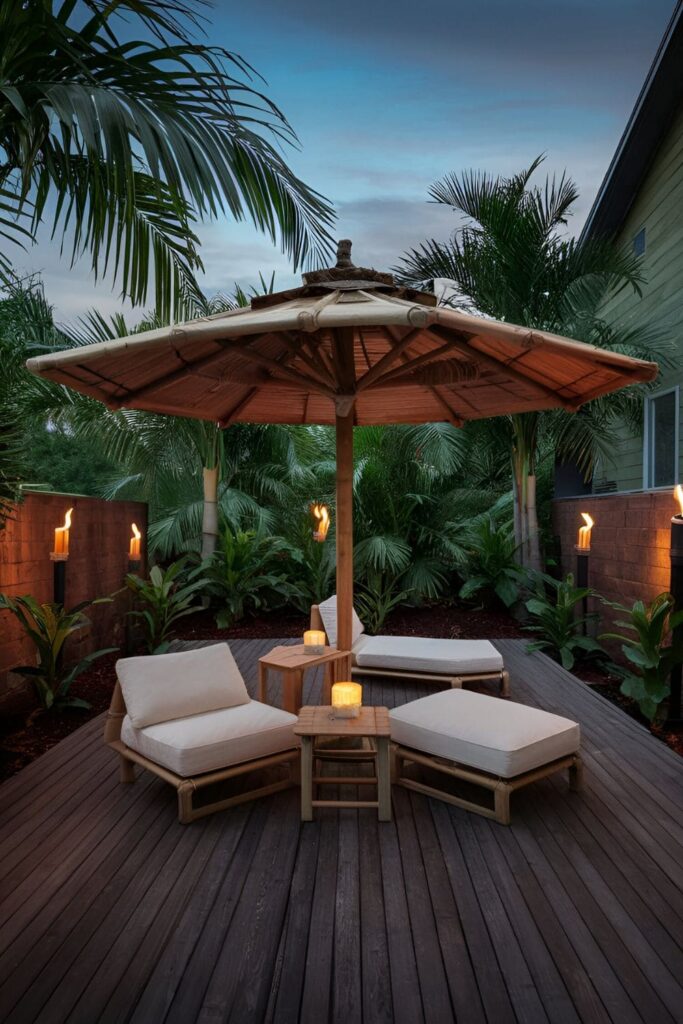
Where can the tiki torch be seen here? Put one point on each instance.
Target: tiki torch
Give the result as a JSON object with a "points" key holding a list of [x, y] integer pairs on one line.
{"points": [[583, 550], [59, 557], [673, 720], [134, 555]]}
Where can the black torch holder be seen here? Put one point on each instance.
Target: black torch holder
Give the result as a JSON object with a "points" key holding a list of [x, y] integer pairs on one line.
{"points": [[673, 720], [58, 577], [582, 556]]}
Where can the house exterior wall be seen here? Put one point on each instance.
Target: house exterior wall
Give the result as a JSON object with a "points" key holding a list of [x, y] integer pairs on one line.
{"points": [[98, 562], [659, 209]]}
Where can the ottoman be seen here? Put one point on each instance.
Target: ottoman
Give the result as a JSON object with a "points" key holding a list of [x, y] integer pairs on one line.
{"points": [[495, 744]]}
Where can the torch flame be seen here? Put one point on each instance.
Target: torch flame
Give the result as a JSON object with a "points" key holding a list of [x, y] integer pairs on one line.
{"points": [[585, 531], [321, 516], [678, 495], [67, 521], [136, 532]]}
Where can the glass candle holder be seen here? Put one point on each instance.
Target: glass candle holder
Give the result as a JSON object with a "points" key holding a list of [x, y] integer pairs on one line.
{"points": [[314, 641], [347, 699]]}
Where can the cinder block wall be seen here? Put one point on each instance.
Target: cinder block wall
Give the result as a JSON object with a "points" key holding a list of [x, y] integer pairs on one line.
{"points": [[629, 557], [98, 562]]}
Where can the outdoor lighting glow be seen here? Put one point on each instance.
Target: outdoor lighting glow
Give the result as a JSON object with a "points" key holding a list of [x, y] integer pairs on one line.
{"points": [[314, 641], [321, 516], [134, 547], [62, 536], [346, 700], [678, 495], [584, 541]]}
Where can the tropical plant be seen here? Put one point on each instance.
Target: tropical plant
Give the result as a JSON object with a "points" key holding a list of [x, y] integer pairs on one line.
{"points": [[375, 598], [247, 573], [646, 648], [561, 631], [124, 129], [510, 259], [49, 626], [168, 595], [490, 568]]}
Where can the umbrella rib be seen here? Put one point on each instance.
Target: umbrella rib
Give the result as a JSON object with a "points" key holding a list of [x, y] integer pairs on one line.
{"points": [[296, 347], [281, 370], [502, 367], [399, 372], [225, 420], [364, 347], [399, 345]]}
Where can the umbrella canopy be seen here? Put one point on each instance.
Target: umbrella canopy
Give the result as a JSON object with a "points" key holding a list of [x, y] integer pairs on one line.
{"points": [[349, 347]]}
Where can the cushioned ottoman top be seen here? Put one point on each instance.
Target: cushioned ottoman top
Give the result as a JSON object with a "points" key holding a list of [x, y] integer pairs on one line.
{"points": [[421, 654], [215, 739], [495, 736]]}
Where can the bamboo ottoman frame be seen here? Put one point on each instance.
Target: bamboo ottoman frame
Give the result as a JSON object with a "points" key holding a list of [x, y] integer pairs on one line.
{"points": [[501, 788], [456, 682], [186, 787]]}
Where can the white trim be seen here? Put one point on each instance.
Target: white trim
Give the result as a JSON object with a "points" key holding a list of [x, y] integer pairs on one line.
{"points": [[647, 407]]}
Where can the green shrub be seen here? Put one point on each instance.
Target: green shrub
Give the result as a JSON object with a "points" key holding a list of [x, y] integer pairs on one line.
{"points": [[375, 598], [168, 595], [49, 626], [556, 623], [490, 565], [247, 573], [646, 649]]}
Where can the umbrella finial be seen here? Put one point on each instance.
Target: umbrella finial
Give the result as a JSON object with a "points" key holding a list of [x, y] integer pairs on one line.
{"points": [[344, 253]]}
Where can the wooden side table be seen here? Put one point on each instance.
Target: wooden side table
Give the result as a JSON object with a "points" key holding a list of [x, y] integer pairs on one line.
{"points": [[315, 722], [292, 662]]}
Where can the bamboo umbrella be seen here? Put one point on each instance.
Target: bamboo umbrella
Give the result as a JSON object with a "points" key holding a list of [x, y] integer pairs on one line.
{"points": [[348, 347]]}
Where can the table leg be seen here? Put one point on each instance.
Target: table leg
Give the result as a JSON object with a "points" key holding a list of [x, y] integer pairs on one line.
{"points": [[292, 686], [262, 683], [306, 778], [383, 779]]}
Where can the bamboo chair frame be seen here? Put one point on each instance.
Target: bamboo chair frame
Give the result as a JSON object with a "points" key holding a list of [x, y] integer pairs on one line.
{"points": [[186, 787], [501, 788], [455, 682]]}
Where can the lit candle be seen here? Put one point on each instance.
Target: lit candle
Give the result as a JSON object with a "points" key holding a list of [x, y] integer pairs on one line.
{"points": [[134, 547], [314, 641], [321, 516], [584, 541], [346, 700], [62, 536]]}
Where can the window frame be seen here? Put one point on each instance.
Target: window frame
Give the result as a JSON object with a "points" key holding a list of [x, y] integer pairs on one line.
{"points": [[648, 465]]}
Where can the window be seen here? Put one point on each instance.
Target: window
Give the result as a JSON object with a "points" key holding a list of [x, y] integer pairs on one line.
{"points": [[639, 242], [661, 439]]}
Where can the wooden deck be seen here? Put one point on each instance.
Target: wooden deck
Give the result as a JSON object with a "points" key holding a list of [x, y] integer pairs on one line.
{"points": [[111, 911]]}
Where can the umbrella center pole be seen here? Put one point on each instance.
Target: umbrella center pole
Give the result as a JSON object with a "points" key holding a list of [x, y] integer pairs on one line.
{"points": [[344, 526]]}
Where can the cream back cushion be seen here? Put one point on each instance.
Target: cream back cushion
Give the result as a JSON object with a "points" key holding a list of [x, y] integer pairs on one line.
{"points": [[161, 687], [328, 613]]}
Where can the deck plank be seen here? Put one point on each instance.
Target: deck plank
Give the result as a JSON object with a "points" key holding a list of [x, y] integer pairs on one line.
{"points": [[111, 911]]}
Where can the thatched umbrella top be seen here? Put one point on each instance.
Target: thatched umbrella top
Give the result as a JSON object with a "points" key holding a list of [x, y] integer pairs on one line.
{"points": [[283, 360]]}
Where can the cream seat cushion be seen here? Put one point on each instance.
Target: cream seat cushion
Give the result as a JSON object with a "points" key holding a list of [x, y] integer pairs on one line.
{"points": [[160, 687], [214, 739], [328, 613], [495, 736], [421, 654]]}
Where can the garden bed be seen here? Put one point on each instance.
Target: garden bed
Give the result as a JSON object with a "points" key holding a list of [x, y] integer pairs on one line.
{"points": [[21, 743]]}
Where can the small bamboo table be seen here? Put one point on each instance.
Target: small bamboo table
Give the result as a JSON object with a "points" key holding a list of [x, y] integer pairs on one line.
{"points": [[292, 662], [373, 724]]}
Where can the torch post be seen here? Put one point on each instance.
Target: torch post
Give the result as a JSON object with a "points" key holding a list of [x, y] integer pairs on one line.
{"points": [[673, 719], [59, 561], [582, 556]]}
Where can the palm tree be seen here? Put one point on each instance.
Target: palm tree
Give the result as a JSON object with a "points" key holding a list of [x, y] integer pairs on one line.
{"points": [[123, 130], [509, 259]]}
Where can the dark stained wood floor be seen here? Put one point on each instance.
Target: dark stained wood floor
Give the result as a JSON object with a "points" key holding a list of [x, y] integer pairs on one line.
{"points": [[112, 911]]}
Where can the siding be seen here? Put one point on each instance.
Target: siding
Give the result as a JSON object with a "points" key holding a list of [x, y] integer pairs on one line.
{"points": [[659, 209]]}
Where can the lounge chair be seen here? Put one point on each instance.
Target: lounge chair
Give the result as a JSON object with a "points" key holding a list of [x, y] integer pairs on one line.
{"points": [[453, 662], [188, 718], [471, 737]]}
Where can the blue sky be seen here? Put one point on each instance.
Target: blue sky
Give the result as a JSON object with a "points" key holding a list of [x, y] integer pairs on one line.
{"points": [[387, 97]]}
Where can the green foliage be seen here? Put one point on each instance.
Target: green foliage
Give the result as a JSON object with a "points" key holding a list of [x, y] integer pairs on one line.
{"points": [[490, 565], [168, 595], [375, 598], [646, 648], [123, 128], [247, 573], [553, 610], [49, 626], [59, 461]]}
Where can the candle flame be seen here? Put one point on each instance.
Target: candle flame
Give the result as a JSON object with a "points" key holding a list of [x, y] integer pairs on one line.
{"points": [[678, 495], [67, 521], [136, 532], [585, 531], [321, 516]]}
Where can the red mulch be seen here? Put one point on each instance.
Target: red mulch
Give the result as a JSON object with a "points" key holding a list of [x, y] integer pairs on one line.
{"points": [[22, 743]]}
